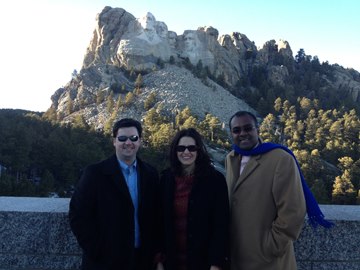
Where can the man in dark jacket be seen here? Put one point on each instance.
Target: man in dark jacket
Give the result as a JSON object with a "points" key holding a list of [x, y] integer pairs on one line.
{"points": [[114, 207]]}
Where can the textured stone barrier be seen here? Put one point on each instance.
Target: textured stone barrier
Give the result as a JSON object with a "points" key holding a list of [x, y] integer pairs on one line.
{"points": [[334, 249], [35, 234]]}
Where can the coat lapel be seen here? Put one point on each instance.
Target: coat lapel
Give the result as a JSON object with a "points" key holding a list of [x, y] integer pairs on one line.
{"points": [[115, 174], [235, 169], [249, 168]]}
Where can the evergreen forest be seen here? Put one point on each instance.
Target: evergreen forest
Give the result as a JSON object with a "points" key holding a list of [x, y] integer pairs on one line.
{"points": [[40, 157]]}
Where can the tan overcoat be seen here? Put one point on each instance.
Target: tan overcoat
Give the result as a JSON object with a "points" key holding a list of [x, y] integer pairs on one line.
{"points": [[267, 209]]}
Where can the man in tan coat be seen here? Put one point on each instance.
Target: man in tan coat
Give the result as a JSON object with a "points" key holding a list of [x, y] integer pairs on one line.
{"points": [[267, 202]]}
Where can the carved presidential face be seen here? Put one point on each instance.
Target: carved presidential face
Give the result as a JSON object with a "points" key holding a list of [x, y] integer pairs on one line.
{"points": [[172, 39], [190, 41], [148, 22], [161, 30]]}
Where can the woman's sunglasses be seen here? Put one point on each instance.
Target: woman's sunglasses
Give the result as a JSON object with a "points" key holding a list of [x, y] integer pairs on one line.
{"points": [[132, 138], [182, 148]]}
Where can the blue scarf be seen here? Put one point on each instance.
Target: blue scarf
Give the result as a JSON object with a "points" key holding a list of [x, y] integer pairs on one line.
{"points": [[316, 217]]}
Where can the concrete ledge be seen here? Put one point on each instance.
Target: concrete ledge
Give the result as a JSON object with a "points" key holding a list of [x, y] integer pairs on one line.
{"points": [[35, 234], [335, 249]]}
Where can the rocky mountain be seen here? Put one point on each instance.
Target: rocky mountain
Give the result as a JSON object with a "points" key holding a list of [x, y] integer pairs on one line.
{"points": [[198, 68]]}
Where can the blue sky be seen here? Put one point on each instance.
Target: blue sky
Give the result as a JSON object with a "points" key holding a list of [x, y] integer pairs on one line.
{"points": [[43, 41]]}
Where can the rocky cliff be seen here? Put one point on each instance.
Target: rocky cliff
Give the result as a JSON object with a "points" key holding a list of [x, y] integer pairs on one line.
{"points": [[123, 45]]}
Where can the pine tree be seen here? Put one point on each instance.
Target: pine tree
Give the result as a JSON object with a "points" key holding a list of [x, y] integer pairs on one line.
{"points": [[100, 97], [74, 74], [290, 126], [6, 184], [150, 101], [129, 99], [351, 131], [343, 189], [69, 106], [191, 122], [161, 138], [211, 128], [355, 174], [319, 191], [79, 122], [278, 105], [109, 124], [110, 102], [119, 103], [139, 82], [311, 123], [181, 117], [47, 184], [305, 106], [269, 130], [50, 114], [300, 57]]}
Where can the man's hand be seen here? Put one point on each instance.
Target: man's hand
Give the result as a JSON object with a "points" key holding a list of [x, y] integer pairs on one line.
{"points": [[159, 266]]}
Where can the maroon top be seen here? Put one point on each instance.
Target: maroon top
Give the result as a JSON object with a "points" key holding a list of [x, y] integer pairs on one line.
{"points": [[183, 185]]}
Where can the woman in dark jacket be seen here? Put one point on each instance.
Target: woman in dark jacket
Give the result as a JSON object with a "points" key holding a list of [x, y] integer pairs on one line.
{"points": [[195, 208]]}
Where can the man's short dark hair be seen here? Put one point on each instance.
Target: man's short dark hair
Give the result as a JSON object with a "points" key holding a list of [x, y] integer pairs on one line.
{"points": [[243, 113], [127, 122]]}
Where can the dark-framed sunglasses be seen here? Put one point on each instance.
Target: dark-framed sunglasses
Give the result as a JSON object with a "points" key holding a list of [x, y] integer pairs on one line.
{"points": [[182, 148], [124, 138], [246, 129]]}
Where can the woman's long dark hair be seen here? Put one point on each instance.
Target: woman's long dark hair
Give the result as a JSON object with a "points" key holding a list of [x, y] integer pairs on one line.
{"points": [[202, 162]]}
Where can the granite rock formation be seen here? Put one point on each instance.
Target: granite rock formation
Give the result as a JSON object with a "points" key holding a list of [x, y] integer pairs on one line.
{"points": [[122, 44]]}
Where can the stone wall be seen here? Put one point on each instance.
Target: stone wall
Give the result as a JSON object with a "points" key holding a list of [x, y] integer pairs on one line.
{"points": [[35, 234], [335, 249]]}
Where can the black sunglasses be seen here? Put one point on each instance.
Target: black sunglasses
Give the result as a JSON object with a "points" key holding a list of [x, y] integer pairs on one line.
{"points": [[132, 138], [246, 129], [182, 148]]}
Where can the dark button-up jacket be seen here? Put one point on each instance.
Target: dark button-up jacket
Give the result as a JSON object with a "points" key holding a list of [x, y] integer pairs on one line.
{"points": [[207, 221], [102, 215]]}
